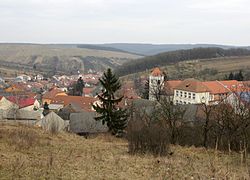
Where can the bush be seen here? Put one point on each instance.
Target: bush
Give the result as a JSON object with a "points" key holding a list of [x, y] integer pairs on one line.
{"points": [[147, 137]]}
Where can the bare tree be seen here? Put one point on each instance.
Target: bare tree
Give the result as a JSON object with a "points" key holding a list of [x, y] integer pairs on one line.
{"points": [[208, 111], [173, 117]]}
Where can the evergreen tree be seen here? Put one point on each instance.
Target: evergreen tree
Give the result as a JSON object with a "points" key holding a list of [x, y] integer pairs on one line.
{"points": [[79, 86], [76, 89], [231, 76], [114, 117], [240, 76], [45, 109]]}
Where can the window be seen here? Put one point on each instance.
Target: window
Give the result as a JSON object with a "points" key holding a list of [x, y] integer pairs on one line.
{"points": [[185, 94], [193, 95], [185, 102], [181, 93], [189, 95], [177, 101], [177, 93], [158, 82]]}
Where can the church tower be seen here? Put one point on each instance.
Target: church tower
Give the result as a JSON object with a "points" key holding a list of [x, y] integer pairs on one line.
{"points": [[156, 84]]}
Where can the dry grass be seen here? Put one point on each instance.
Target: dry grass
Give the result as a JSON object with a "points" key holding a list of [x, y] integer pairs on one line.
{"points": [[227, 64], [19, 53], [67, 156], [222, 65]]}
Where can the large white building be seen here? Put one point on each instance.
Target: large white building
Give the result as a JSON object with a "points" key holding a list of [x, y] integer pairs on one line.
{"points": [[191, 91]]}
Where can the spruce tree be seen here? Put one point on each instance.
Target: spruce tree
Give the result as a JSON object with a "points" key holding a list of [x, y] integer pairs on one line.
{"points": [[79, 86], [231, 76], [45, 109], [240, 76], [114, 117]]}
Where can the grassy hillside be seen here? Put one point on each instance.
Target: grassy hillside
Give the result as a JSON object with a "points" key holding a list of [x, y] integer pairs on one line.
{"points": [[153, 49], [174, 57], [30, 153], [209, 69], [57, 58], [205, 69]]}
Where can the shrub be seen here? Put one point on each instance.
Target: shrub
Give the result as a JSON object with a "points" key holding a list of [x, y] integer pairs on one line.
{"points": [[147, 135]]}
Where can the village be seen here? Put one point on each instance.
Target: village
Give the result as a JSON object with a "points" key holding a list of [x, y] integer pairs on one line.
{"points": [[166, 119], [36, 100]]}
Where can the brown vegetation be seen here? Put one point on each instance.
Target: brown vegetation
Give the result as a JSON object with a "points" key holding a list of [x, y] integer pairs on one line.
{"points": [[68, 156]]}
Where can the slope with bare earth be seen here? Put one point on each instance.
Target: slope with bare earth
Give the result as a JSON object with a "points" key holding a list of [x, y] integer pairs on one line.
{"points": [[30, 153], [60, 58]]}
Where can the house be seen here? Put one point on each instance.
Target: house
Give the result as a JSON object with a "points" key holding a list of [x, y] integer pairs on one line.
{"points": [[218, 91], [6, 105], [50, 95], [84, 102], [25, 103], [22, 78], [21, 111], [14, 89], [240, 101], [191, 91], [39, 77], [55, 107]]}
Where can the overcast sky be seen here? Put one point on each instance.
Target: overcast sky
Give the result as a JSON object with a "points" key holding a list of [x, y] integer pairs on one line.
{"points": [[141, 21]]}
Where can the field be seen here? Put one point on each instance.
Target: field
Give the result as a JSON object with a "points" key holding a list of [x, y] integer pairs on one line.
{"points": [[210, 69], [30, 153], [62, 59]]}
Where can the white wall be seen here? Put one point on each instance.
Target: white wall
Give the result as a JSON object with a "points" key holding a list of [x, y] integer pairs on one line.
{"points": [[195, 98]]}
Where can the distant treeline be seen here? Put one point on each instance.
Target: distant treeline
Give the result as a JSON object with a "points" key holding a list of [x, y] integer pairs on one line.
{"points": [[164, 59], [96, 47]]}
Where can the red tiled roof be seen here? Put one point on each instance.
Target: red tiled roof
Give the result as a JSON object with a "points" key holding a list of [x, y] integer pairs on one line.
{"points": [[216, 87], [156, 72], [234, 85], [84, 102], [192, 85], [88, 90], [52, 93], [21, 101], [170, 85]]}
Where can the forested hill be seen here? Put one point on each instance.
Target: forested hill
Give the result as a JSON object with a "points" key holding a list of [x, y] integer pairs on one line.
{"points": [[164, 59]]}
